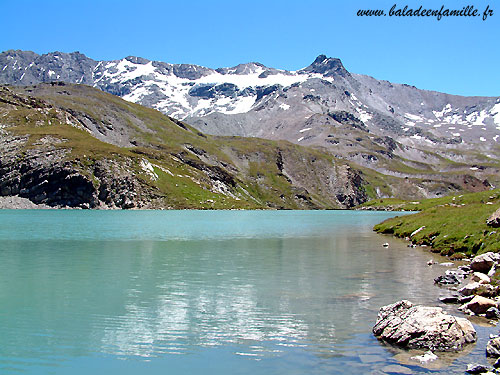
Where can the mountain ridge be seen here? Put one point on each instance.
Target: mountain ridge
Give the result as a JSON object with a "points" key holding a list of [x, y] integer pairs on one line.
{"points": [[393, 129]]}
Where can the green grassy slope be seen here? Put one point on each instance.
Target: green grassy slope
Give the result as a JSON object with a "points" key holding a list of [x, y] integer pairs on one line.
{"points": [[453, 224]]}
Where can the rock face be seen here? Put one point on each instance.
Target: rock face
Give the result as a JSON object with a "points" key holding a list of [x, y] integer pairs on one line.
{"points": [[52, 181], [494, 219], [422, 327]]}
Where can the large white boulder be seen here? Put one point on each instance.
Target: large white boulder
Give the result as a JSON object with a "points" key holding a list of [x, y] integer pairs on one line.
{"points": [[422, 327]]}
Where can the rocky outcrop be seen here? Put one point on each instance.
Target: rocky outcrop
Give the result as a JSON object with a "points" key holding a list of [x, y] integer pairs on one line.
{"points": [[494, 219], [44, 175], [421, 327], [67, 184]]}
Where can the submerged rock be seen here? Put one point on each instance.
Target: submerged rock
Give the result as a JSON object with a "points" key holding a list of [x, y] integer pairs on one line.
{"points": [[422, 327], [428, 356], [397, 370], [447, 264], [449, 299]]}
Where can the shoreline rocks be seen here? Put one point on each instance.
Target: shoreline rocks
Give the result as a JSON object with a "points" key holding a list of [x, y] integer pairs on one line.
{"points": [[493, 348], [479, 305], [484, 262], [446, 280], [421, 327]]}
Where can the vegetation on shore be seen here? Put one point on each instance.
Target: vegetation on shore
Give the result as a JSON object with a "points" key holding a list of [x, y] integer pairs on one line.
{"points": [[452, 225]]}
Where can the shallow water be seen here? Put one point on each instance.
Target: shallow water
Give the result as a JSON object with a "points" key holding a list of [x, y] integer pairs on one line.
{"points": [[225, 292]]}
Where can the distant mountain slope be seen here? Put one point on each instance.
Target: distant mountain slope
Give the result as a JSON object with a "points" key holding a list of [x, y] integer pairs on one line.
{"points": [[75, 146], [396, 130], [191, 91]]}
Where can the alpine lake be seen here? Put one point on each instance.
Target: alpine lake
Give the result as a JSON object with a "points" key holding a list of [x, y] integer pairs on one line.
{"points": [[209, 292]]}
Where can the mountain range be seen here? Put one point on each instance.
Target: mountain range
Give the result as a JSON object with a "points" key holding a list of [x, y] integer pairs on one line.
{"points": [[404, 142]]}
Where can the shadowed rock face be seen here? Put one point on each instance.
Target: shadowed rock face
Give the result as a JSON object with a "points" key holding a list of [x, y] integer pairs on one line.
{"points": [[421, 327], [45, 178]]}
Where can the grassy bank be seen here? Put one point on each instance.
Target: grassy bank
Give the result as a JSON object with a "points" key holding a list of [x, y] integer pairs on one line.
{"points": [[451, 225]]}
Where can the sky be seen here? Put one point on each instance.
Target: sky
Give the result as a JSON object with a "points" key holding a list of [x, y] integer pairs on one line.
{"points": [[458, 55]]}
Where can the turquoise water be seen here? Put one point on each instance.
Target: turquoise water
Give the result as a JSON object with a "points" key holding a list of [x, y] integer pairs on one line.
{"points": [[202, 292]]}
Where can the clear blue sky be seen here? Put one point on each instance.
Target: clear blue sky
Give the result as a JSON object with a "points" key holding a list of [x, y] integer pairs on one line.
{"points": [[458, 56]]}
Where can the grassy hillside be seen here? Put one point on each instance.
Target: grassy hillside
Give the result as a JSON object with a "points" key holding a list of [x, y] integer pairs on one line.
{"points": [[453, 224], [172, 165]]}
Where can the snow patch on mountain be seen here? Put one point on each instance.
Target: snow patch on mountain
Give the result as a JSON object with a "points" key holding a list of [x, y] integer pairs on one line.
{"points": [[177, 96], [495, 113], [477, 118]]}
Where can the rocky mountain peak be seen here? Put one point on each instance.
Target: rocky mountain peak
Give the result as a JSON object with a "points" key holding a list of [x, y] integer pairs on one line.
{"points": [[190, 71], [240, 69], [328, 66], [137, 60]]}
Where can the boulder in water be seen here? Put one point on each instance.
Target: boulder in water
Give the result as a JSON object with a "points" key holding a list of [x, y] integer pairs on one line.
{"points": [[446, 280], [422, 327]]}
